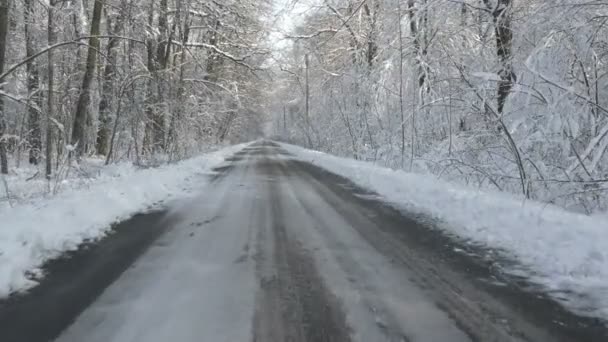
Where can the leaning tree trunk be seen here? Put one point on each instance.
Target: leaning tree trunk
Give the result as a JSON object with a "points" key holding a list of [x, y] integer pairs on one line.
{"points": [[4, 8], [80, 118], [34, 135]]}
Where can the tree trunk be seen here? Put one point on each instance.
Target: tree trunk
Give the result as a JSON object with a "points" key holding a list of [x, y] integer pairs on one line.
{"points": [[162, 39], [157, 52], [372, 17], [401, 109], [504, 50], [419, 50], [307, 108], [49, 96], [4, 8], [177, 116], [80, 118], [150, 110], [501, 15], [103, 133], [212, 57], [418, 53], [161, 60], [34, 134]]}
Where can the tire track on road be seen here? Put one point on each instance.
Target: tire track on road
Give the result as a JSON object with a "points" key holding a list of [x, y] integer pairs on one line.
{"points": [[293, 303]]}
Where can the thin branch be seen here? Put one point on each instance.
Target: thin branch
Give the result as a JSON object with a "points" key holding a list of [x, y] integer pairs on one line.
{"points": [[77, 41]]}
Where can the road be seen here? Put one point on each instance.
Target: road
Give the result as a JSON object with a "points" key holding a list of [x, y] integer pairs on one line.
{"points": [[278, 250]]}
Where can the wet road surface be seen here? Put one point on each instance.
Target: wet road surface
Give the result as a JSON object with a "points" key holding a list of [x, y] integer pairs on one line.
{"points": [[278, 250]]}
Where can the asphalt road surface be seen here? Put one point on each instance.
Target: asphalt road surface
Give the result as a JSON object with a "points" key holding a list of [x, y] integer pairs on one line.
{"points": [[280, 250]]}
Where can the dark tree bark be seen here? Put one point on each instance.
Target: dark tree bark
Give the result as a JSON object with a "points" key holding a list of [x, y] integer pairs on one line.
{"points": [[157, 62], [501, 15], [184, 32], [162, 45], [162, 61], [50, 94], [372, 17], [103, 132], [212, 57], [4, 9], [418, 49], [151, 65], [80, 118], [34, 135]]}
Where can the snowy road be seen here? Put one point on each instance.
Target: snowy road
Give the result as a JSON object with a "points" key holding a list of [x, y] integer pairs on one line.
{"points": [[278, 250]]}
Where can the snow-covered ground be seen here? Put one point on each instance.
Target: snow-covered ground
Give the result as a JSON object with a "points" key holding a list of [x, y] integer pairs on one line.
{"points": [[565, 253], [37, 228]]}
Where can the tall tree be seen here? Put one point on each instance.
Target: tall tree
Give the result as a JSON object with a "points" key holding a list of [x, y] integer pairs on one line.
{"points": [[4, 18], [114, 28], [34, 135], [501, 15], [79, 130], [50, 91], [372, 14], [163, 50], [158, 50], [183, 23], [177, 87]]}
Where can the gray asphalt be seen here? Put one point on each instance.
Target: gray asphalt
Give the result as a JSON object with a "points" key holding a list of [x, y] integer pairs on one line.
{"points": [[275, 249]]}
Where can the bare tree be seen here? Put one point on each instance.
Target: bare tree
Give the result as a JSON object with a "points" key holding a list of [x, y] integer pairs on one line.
{"points": [[79, 130], [4, 18], [50, 89], [440, 91], [501, 15], [154, 92], [114, 27], [34, 134]]}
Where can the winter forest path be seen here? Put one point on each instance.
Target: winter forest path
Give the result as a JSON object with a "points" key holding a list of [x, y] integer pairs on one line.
{"points": [[279, 250]]}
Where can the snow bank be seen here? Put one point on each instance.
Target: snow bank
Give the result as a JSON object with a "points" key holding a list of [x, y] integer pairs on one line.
{"points": [[27, 183], [565, 253], [33, 232]]}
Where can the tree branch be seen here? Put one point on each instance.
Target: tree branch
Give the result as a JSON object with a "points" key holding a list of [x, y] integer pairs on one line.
{"points": [[58, 45]]}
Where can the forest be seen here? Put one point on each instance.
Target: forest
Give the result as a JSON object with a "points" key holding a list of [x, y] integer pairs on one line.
{"points": [[508, 95], [127, 79], [303, 170], [496, 94]]}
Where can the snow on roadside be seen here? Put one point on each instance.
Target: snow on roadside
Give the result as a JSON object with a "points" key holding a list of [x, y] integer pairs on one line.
{"points": [[38, 230], [26, 183], [565, 253]]}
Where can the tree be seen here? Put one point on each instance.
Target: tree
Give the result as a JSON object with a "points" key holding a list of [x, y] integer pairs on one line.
{"points": [[501, 15], [114, 28], [50, 89], [139, 75], [157, 59], [472, 118], [79, 130], [4, 18], [34, 135]]}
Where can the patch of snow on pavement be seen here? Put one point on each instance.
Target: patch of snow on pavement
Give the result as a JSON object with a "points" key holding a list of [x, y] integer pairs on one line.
{"points": [[566, 253], [38, 230]]}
